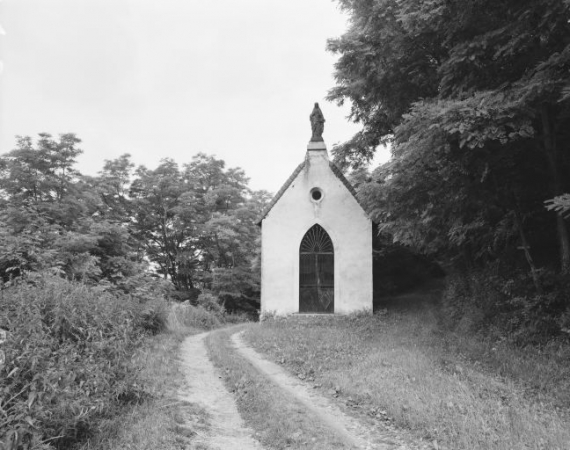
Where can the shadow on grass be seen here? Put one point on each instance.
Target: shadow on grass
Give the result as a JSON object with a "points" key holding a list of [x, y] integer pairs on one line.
{"points": [[427, 294]]}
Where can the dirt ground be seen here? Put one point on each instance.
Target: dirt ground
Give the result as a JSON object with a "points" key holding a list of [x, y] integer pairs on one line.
{"points": [[228, 431], [205, 388]]}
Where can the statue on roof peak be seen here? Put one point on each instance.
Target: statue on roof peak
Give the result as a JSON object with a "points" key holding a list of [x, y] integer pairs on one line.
{"points": [[317, 124]]}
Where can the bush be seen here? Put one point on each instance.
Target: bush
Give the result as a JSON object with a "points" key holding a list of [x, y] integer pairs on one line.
{"points": [[67, 361], [211, 303], [154, 316], [186, 315], [508, 306]]}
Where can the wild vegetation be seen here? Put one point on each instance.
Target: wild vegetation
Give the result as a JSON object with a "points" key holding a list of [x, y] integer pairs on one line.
{"points": [[89, 270], [474, 99], [77, 359], [192, 226], [163, 421]]}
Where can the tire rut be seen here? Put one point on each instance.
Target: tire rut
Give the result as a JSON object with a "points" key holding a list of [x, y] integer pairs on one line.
{"points": [[204, 387], [352, 431]]}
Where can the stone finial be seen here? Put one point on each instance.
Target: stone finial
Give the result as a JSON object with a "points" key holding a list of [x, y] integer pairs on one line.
{"points": [[317, 124]]}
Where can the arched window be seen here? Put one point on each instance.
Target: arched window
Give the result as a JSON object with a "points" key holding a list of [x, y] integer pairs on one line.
{"points": [[316, 272]]}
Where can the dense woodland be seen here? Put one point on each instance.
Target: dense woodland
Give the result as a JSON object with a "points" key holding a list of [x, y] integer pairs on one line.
{"points": [[474, 98], [194, 225]]}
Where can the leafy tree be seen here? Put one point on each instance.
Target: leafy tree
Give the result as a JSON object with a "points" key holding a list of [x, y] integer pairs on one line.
{"points": [[197, 224], [52, 216], [112, 185], [194, 225], [164, 222], [474, 97]]}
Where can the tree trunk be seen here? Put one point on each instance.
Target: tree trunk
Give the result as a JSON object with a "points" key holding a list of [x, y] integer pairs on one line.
{"points": [[526, 248], [564, 245], [553, 157]]}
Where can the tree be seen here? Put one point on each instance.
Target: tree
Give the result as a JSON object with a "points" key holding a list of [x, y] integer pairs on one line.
{"points": [[196, 223], [52, 216], [193, 225], [474, 97]]}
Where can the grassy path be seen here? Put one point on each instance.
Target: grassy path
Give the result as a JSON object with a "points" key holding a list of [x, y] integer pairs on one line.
{"points": [[351, 431], [204, 388], [400, 368], [288, 414]]}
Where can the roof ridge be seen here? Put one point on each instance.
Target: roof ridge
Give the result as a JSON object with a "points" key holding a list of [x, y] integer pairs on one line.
{"points": [[335, 170], [347, 184], [280, 192]]}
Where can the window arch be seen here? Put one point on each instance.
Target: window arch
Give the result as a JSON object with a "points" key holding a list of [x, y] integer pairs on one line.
{"points": [[316, 272], [316, 240]]}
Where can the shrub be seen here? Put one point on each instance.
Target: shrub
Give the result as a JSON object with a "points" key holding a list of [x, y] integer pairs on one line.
{"points": [[186, 315], [211, 303], [67, 361], [154, 316], [508, 306]]}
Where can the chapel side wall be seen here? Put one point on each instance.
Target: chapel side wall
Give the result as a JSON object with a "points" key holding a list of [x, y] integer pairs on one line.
{"points": [[288, 221]]}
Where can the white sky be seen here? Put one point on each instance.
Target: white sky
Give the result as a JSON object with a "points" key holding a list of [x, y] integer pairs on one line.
{"points": [[170, 78]]}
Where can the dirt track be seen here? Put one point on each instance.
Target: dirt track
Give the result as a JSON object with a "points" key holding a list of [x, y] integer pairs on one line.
{"points": [[228, 431], [205, 388]]}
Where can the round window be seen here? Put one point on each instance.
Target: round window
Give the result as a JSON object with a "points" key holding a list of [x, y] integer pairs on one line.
{"points": [[316, 194]]}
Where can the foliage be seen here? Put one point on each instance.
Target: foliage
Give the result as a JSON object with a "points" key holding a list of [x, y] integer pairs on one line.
{"points": [[85, 266], [195, 220], [560, 204], [153, 317], [195, 225], [186, 315], [67, 360], [508, 308], [211, 303], [51, 219], [473, 97]]}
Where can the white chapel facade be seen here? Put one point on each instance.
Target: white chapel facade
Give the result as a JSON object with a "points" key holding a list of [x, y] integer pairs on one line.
{"points": [[316, 240]]}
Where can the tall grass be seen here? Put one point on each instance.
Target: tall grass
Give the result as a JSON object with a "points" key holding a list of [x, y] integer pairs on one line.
{"points": [[400, 367], [162, 421], [183, 316], [68, 360]]}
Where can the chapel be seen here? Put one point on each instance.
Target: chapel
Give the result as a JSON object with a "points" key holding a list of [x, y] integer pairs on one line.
{"points": [[316, 240]]}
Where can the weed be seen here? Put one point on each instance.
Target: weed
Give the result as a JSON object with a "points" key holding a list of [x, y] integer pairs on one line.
{"points": [[68, 361], [162, 421]]}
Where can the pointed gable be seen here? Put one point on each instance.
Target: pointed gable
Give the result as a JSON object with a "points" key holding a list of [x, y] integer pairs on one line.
{"points": [[347, 185], [335, 170]]}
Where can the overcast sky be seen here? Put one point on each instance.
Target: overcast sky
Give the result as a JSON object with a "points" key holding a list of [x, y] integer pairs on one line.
{"points": [[171, 78]]}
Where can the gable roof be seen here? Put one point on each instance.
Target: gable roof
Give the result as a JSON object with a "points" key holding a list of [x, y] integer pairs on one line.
{"points": [[290, 180], [347, 184]]}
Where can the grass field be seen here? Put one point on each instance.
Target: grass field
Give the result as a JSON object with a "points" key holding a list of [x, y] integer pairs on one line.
{"points": [[452, 390]]}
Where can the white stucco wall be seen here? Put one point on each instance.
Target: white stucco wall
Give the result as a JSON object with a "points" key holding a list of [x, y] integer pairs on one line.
{"points": [[287, 222]]}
